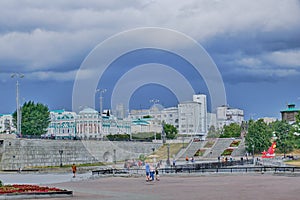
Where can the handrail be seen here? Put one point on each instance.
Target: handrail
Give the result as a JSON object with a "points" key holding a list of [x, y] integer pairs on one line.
{"points": [[182, 169]]}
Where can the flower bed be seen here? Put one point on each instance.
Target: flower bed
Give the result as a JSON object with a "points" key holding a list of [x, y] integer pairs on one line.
{"points": [[26, 189], [227, 152], [235, 143], [34, 191], [200, 152]]}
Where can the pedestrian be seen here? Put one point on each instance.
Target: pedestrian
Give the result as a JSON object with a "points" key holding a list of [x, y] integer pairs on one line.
{"points": [[152, 171], [74, 169], [187, 159], [174, 163], [156, 174], [147, 169]]}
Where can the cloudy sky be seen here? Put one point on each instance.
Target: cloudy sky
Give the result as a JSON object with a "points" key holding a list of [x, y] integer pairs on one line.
{"points": [[255, 45]]}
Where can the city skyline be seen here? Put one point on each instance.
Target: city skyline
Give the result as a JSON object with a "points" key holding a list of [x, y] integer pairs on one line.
{"points": [[256, 53]]}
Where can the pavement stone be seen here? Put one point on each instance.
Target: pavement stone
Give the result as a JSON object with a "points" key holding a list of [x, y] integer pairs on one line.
{"points": [[209, 187], [187, 187]]}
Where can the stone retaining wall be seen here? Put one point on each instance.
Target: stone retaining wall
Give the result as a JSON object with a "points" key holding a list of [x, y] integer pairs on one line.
{"points": [[26, 153]]}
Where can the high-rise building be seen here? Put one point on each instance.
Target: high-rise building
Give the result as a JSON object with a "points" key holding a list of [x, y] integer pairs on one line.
{"points": [[201, 98], [227, 115], [211, 120], [190, 119], [120, 111]]}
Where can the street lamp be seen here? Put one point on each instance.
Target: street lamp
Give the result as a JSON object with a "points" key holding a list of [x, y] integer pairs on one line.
{"points": [[253, 154], [101, 91], [168, 161], [19, 123], [60, 153], [115, 157]]}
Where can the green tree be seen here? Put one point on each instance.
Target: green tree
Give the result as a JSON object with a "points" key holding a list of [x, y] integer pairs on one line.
{"points": [[232, 130], [171, 131], [296, 132], [259, 134], [35, 119], [213, 132], [284, 136]]}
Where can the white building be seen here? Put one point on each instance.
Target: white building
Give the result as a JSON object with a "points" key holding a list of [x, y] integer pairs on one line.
{"points": [[147, 120], [211, 120], [227, 115], [88, 124], [145, 125], [120, 111], [6, 124], [201, 98], [170, 116], [62, 125], [113, 125], [190, 118], [269, 120]]}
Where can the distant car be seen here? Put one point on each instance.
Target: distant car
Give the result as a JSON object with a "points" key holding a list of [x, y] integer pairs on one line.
{"points": [[196, 140]]}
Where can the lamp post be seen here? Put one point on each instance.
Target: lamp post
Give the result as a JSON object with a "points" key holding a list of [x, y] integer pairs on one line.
{"points": [[101, 91], [153, 158], [163, 134], [60, 153], [253, 154], [19, 123], [115, 157], [168, 160], [154, 101]]}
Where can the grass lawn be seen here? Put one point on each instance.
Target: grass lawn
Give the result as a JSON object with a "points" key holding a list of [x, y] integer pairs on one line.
{"points": [[293, 162], [162, 152]]}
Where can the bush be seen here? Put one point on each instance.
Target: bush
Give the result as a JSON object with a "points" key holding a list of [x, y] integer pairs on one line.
{"points": [[118, 137]]}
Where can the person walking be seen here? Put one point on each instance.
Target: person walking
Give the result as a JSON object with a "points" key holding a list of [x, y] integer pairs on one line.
{"points": [[187, 159], [156, 174], [147, 169], [152, 172], [74, 169]]}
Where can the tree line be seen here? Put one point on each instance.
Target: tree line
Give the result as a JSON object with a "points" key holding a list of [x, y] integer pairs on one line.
{"points": [[259, 135]]}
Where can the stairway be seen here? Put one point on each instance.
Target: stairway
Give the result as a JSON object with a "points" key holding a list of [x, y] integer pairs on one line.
{"points": [[192, 149], [218, 148]]}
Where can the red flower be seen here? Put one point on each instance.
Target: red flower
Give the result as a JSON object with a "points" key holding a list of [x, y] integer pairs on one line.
{"points": [[16, 188]]}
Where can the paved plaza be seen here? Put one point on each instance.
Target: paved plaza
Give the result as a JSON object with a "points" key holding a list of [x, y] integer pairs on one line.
{"points": [[208, 187]]}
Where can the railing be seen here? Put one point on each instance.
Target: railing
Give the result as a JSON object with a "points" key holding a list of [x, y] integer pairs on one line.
{"points": [[207, 169], [231, 170]]}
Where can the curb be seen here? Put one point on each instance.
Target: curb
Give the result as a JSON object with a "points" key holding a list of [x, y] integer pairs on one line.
{"points": [[37, 195]]}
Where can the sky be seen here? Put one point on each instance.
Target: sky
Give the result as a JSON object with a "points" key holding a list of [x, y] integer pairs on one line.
{"points": [[254, 45]]}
